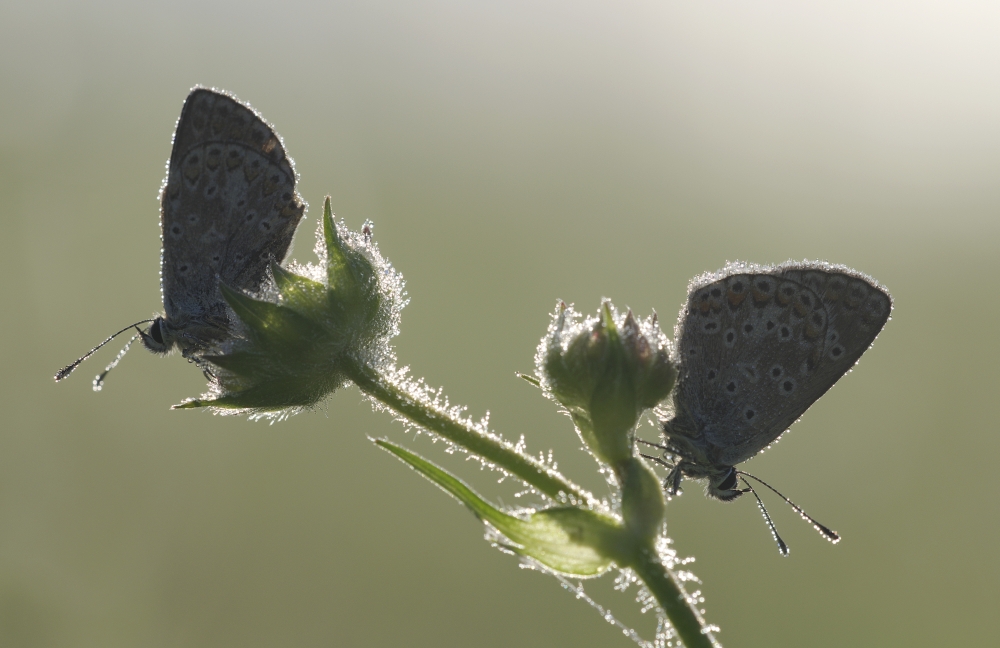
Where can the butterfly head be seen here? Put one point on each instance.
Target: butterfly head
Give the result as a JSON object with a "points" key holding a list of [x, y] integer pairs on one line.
{"points": [[156, 338], [723, 485], [723, 481]]}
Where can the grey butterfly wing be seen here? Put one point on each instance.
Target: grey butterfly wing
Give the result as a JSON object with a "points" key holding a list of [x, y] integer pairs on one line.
{"points": [[723, 333], [228, 207], [758, 346]]}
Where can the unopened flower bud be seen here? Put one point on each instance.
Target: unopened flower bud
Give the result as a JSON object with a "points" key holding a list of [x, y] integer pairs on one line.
{"points": [[605, 371], [293, 340]]}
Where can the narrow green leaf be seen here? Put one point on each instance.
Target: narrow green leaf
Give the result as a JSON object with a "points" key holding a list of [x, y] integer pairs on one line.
{"points": [[570, 540]]}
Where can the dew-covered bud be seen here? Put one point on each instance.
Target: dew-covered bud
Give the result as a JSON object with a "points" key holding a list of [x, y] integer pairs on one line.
{"points": [[291, 342], [605, 371]]}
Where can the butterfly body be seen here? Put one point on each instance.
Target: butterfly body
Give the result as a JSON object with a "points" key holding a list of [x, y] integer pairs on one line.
{"points": [[756, 346]]}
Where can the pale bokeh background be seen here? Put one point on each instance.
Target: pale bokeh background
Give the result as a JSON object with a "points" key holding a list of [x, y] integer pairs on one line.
{"points": [[510, 153]]}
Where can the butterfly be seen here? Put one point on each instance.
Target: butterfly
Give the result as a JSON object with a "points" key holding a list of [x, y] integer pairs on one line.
{"points": [[755, 347], [228, 208]]}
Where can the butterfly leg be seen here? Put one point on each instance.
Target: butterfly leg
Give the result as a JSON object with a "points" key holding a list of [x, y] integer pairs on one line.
{"points": [[672, 484]]}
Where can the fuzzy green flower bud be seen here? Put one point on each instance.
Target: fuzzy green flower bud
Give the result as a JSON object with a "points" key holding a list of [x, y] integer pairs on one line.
{"points": [[605, 371], [292, 341]]}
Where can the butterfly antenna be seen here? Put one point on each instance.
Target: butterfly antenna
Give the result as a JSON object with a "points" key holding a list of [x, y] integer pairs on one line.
{"points": [[99, 379], [826, 532], [782, 547], [68, 369]]}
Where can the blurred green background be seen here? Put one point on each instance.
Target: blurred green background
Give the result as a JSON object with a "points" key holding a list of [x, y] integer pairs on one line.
{"points": [[509, 153]]}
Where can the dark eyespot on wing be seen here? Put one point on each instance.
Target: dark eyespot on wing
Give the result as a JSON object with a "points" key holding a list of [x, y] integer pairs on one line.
{"points": [[799, 317]]}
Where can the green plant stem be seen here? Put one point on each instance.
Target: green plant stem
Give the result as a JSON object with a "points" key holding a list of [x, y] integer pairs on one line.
{"points": [[528, 469], [667, 590], [662, 583]]}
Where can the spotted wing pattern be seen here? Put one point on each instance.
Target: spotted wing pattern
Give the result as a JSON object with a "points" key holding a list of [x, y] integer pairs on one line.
{"points": [[758, 345], [228, 207]]}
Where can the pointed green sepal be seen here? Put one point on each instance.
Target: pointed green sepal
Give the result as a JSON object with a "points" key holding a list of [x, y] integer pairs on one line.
{"points": [[192, 403], [531, 380], [256, 314], [335, 259], [239, 362], [276, 331], [296, 291]]}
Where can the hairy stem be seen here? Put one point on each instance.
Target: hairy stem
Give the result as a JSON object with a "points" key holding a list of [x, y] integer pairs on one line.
{"points": [[667, 590], [645, 561], [531, 471]]}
